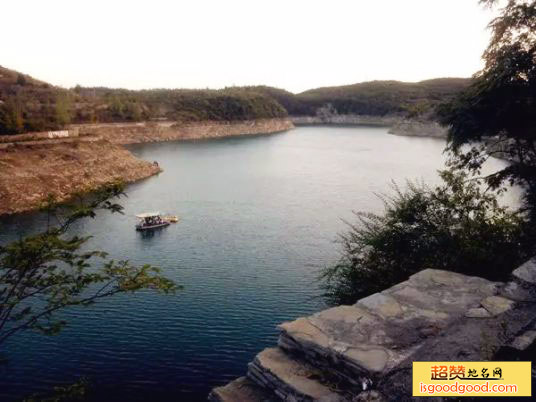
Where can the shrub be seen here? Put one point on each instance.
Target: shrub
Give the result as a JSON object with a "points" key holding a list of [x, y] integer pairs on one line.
{"points": [[458, 226]]}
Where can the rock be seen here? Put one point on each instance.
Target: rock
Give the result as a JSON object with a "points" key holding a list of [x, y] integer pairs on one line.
{"points": [[384, 305], [291, 378], [373, 360], [515, 291], [496, 305], [369, 396], [418, 128], [241, 390], [374, 335], [133, 133], [526, 273], [479, 312], [443, 292], [524, 340], [329, 117]]}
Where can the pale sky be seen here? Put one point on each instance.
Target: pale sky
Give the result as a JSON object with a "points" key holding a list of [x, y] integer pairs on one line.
{"points": [[292, 44]]}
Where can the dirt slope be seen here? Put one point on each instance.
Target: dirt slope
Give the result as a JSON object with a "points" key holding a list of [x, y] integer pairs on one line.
{"points": [[30, 171]]}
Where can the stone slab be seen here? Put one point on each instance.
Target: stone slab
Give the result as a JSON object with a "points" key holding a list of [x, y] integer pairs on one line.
{"points": [[241, 390], [381, 330], [291, 378], [524, 340], [526, 273], [496, 305], [519, 292], [479, 312]]}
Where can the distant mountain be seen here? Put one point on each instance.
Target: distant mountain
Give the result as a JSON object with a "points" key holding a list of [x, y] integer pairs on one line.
{"points": [[27, 104]]}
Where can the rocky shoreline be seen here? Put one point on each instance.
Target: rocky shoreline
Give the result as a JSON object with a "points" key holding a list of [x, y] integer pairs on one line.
{"points": [[32, 171], [85, 157], [157, 131], [346, 119], [419, 128], [397, 125]]}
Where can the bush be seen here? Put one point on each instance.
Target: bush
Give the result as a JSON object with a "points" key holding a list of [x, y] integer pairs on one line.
{"points": [[457, 226]]}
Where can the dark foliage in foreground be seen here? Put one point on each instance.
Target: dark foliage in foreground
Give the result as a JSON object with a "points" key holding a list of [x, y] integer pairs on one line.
{"points": [[456, 226]]}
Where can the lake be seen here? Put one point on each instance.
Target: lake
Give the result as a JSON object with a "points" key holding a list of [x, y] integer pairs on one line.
{"points": [[259, 217]]}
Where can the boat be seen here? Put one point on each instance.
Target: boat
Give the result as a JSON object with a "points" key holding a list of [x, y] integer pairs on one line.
{"points": [[171, 218], [150, 220]]}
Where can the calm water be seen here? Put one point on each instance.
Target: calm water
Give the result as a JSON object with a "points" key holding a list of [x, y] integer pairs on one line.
{"points": [[259, 219]]}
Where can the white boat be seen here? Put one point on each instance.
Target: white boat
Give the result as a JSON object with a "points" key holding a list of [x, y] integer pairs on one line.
{"points": [[171, 218], [150, 220]]}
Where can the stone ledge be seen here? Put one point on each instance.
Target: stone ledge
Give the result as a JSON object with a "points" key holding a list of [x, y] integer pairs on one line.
{"points": [[526, 273], [523, 341], [290, 378], [496, 305], [242, 389], [433, 316], [372, 337]]}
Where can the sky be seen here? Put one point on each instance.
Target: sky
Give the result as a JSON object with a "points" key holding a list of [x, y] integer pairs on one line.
{"points": [[291, 44]]}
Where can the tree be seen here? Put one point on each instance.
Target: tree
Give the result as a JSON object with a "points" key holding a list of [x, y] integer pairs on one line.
{"points": [[11, 120], [500, 106], [457, 226], [117, 108], [132, 111], [44, 273], [62, 110]]}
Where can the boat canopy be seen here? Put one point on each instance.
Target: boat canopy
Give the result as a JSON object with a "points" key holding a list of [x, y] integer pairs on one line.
{"points": [[146, 215]]}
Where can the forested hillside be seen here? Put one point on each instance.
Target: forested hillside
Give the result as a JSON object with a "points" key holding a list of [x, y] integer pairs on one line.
{"points": [[27, 104], [110, 105], [382, 97]]}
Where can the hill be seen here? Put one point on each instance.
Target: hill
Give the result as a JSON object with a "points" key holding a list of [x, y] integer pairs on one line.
{"points": [[183, 105], [27, 104], [382, 97]]}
